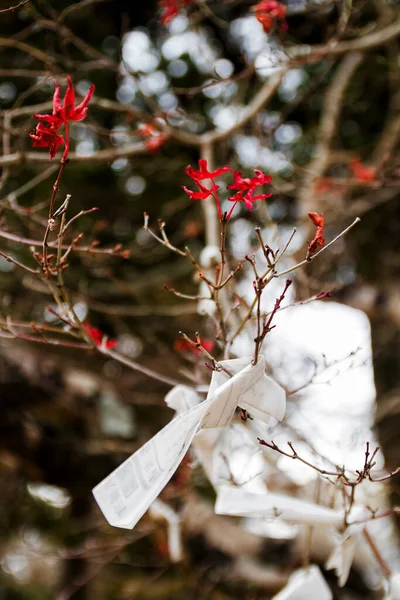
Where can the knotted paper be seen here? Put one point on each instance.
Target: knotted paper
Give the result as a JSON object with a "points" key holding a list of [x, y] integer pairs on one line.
{"points": [[126, 494]]}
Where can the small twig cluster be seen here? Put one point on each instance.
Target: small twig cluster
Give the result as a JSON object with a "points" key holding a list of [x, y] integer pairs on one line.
{"points": [[350, 481]]}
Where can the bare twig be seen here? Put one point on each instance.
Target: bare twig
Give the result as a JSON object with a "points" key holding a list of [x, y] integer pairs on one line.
{"points": [[11, 8], [314, 256]]}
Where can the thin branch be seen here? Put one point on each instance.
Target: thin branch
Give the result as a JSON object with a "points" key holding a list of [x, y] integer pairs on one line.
{"points": [[199, 346], [140, 368], [13, 43], [375, 550], [314, 256], [11, 8], [164, 241], [10, 259], [77, 216], [332, 106], [295, 456], [91, 249], [365, 42]]}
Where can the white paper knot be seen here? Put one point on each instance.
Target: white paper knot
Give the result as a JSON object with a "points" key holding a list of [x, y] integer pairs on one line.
{"points": [[126, 494]]}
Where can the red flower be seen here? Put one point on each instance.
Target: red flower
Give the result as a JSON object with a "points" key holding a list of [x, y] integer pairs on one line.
{"points": [[183, 346], [364, 174], [268, 12], [202, 175], [171, 8], [44, 137], [203, 194], [318, 241], [155, 138], [245, 187], [97, 336], [65, 113]]}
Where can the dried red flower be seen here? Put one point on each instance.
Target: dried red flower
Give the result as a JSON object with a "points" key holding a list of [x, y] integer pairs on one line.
{"points": [[269, 12], [362, 173], [47, 137], [183, 346], [245, 187], [318, 240], [62, 114], [97, 336]]}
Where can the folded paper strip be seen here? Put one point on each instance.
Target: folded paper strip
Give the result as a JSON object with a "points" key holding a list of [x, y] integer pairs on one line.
{"points": [[345, 545], [233, 463], [306, 584], [126, 494]]}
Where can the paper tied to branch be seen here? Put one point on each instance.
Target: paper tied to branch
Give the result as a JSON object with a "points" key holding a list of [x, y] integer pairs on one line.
{"points": [[306, 584], [345, 545], [240, 502], [231, 453], [126, 494]]}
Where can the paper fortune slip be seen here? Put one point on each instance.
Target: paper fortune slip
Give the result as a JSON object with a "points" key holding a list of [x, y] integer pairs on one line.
{"points": [[242, 503], [345, 545], [126, 494], [306, 584]]}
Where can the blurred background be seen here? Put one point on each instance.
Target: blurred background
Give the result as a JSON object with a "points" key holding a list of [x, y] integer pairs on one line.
{"points": [[328, 135]]}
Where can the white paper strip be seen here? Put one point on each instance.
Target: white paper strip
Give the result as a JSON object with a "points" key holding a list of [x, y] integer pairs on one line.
{"points": [[239, 502], [306, 584], [346, 544], [160, 509], [126, 494]]}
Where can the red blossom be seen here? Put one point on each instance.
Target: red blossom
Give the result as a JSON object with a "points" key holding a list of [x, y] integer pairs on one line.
{"points": [[245, 187], [97, 336], [364, 174], [67, 112], [204, 173], [183, 346], [318, 240], [62, 114], [203, 194], [201, 175], [47, 137], [268, 12]]}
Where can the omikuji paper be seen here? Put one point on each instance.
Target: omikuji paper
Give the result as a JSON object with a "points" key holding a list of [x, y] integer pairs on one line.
{"points": [[126, 494], [306, 584]]}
